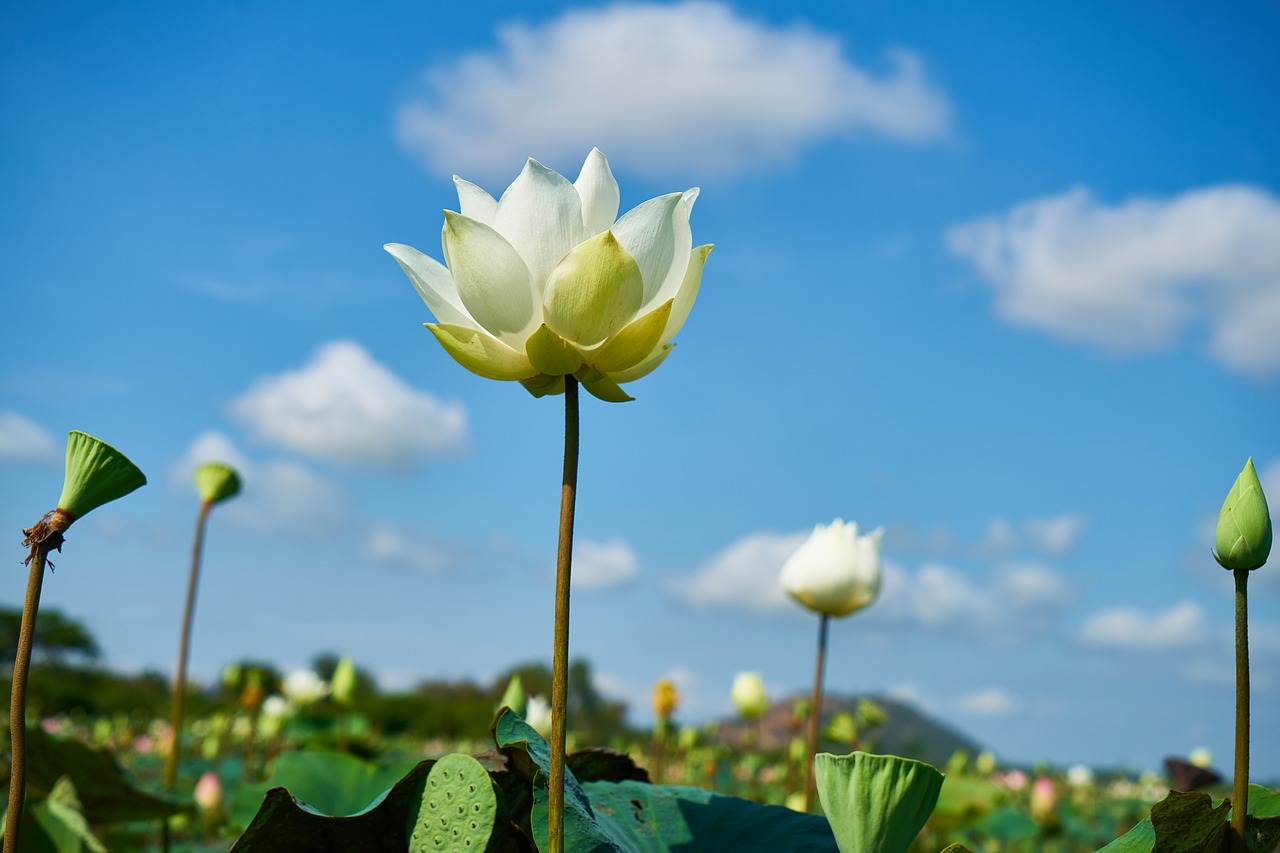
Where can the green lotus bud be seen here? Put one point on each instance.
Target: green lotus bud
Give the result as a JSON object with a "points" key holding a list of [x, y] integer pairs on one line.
{"points": [[1244, 525], [514, 696], [217, 481], [342, 685], [97, 473]]}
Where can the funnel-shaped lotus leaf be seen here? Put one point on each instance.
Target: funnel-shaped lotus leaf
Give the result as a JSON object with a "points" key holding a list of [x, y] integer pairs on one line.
{"points": [[97, 473], [217, 481], [1244, 525], [876, 803]]}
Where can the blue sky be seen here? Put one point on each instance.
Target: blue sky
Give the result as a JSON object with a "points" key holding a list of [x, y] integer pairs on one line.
{"points": [[1004, 279]]}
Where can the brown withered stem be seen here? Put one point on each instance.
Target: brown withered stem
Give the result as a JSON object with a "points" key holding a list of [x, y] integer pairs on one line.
{"points": [[41, 538]]}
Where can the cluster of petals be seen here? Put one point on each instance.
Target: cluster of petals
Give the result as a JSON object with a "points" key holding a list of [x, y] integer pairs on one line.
{"points": [[836, 571], [547, 282]]}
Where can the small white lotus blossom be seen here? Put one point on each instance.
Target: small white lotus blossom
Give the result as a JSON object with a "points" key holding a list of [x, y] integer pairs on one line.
{"points": [[749, 695], [1200, 757], [836, 571], [1079, 776], [303, 687], [547, 282], [539, 715]]}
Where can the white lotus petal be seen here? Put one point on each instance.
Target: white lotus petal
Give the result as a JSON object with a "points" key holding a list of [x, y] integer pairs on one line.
{"points": [[433, 283], [474, 202], [493, 281], [657, 235], [540, 214], [599, 193], [687, 293]]}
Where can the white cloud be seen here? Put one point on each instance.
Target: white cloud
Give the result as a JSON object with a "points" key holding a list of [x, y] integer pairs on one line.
{"points": [[392, 546], [25, 439], [1133, 276], [745, 575], [602, 565], [346, 408], [1128, 628], [277, 496], [1056, 535], [1010, 606], [991, 702], [660, 88], [999, 537]]}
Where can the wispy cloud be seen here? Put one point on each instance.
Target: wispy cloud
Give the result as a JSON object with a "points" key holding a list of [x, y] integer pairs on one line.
{"points": [[990, 702], [277, 497], [25, 440], [671, 88], [1130, 629], [346, 408], [598, 565], [394, 546], [745, 575], [1134, 276]]}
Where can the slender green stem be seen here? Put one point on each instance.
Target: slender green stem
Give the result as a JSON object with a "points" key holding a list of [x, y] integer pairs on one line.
{"points": [[1240, 791], [815, 711], [18, 697], [180, 676], [560, 655]]}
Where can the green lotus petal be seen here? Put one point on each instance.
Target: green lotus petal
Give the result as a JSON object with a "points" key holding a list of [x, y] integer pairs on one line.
{"points": [[543, 385], [492, 279], [593, 292], [481, 354], [96, 474], [1244, 532], [540, 214], [552, 354], [603, 388], [634, 343], [688, 291], [217, 481], [598, 190], [645, 367]]}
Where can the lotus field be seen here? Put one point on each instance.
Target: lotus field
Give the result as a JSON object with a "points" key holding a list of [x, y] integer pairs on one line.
{"points": [[547, 287]]}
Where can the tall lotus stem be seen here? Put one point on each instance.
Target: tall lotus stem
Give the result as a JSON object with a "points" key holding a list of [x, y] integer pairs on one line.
{"points": [[560, 654], [1242, 543], [1240, 788], [815, 711], [96, 473], [215, 482]]}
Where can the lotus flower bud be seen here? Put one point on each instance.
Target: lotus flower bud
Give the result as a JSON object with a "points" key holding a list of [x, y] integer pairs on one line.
{"points": [[216, 482], [836, 571], [303, 687], [514, 696], [665, 698], [749, 695], [343, 683], [1244, 524], [1044, 799], [208, 793]]}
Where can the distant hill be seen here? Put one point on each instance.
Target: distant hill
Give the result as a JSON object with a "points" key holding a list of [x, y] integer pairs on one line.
{"points": [[906, 731]]}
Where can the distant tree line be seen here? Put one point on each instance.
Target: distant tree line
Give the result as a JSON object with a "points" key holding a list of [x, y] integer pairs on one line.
{"points": [[67, 678]]}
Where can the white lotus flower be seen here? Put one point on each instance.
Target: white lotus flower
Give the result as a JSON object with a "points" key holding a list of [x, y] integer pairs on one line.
{"points": [[303, 687], [749, 695], [539, 715], [835, 571], [543, 283]]}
